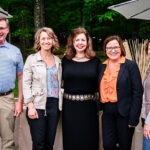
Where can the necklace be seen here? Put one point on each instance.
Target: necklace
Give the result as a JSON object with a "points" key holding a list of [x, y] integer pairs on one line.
{"points": [[79, 58]]}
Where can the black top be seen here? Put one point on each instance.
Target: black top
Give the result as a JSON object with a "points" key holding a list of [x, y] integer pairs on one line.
{"points": [[80, 77]]}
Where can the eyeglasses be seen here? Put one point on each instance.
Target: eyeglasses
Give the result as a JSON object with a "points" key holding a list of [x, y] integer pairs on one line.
{"points": [[115, 48]]}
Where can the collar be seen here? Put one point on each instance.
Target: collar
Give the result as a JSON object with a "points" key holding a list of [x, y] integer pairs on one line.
{"points": [[57, 61], [6, 44], [39, 58], [122, 60]]}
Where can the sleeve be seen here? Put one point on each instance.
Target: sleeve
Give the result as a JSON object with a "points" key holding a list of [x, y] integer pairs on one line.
{"points": [[147, 120], [137, 92], [99, 104], [19, 62], [147, 100], [27, 81], [143, 110]]}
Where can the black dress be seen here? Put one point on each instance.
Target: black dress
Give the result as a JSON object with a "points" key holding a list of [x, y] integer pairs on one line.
{"points": [[80, 119]]}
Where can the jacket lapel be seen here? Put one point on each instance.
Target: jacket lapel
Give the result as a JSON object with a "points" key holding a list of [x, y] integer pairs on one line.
{"points": [[122, 68], [102, 69]]}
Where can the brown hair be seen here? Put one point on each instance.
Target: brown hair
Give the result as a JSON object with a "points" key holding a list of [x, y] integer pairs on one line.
{"points": [[111, 38], [5, 19], [70, 50], [50, 33], [146, 48]]}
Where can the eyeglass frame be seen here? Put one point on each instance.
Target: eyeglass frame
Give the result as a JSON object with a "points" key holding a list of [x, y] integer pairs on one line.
{"points": [[115, 48]]}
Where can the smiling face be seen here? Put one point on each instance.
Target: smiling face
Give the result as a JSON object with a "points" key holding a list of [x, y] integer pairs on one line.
{"points": [[4, 29], [80, 43], [113, 50], [46, 42]]}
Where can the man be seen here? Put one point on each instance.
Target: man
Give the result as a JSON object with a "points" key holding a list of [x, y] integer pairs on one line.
{"points": [[11, 65]]}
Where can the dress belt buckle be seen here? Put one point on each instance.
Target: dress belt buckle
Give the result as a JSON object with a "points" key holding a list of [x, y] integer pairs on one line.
{"points": [[86, 97], [73, 97], [77, 97], [81, 97], [66, 96], [69, 96]]}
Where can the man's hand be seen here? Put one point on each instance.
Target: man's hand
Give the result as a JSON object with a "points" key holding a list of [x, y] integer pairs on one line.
{"points": [[18, 109]]}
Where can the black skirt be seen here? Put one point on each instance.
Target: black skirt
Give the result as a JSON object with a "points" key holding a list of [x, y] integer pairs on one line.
{"points": [[80, 125]]}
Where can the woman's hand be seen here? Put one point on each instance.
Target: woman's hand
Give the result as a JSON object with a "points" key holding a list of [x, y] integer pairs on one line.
{"points": [[147, 131], [32, 113]]}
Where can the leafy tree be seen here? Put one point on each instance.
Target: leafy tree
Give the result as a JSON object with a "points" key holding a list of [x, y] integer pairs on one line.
{"points": [[22, 22], [64, 15], [39, 10], [144, 30]]}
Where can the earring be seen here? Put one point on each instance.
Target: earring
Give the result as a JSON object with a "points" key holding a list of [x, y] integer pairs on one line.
{"points": [[39, 48]]}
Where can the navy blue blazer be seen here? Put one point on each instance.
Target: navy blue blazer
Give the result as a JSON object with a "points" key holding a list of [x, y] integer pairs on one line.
{"points": [[129, 90]]}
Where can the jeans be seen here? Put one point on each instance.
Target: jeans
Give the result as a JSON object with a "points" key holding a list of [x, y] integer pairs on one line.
{"points": [[146, 143], [43, 129]]}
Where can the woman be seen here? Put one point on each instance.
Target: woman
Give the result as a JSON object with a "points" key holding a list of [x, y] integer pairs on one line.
{"points": [[120, 96], [41, 88], [80, 74], [145, 114]]}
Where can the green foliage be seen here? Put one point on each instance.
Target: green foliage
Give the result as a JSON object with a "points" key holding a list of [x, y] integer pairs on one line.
{"points": [[100, 55], [22, 21], [60, 52], [144, 30], [23, 32], [107, 16], [64, 15]]}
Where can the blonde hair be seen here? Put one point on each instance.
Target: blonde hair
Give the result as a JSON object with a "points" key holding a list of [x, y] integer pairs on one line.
{"points": [[50, 33], [70, 50]]}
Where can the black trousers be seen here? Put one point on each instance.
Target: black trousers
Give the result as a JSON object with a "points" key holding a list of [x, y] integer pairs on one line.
{"points": [[43, 129], [115, 129]]}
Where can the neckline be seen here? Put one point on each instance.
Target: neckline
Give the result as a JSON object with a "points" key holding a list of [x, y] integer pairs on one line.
{"points": [[81, 61], [51, 66]]}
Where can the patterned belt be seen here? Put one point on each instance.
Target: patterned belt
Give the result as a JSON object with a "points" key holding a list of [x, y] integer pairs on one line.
{"points": [[6, 93], [81, 97]]}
